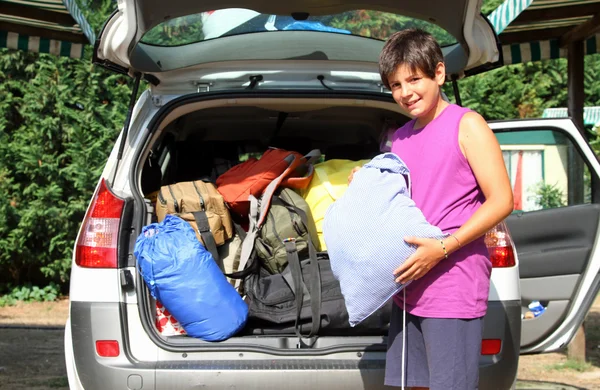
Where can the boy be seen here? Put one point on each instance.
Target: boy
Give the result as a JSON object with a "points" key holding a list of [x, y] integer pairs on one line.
{"points": [[460, 183]]}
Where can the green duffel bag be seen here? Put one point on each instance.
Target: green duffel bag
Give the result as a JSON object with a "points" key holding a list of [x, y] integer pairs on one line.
{"points": [[283, 223]]}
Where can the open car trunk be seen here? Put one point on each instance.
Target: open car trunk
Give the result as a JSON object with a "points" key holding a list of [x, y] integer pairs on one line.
{"points": [[195, 138]]}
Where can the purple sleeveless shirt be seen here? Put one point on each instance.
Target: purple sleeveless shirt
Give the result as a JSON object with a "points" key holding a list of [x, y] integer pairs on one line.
{"points": [[445, 189]]}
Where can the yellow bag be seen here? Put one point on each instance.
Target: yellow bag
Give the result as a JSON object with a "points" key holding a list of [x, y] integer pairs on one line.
{"points": [[327, 185]]}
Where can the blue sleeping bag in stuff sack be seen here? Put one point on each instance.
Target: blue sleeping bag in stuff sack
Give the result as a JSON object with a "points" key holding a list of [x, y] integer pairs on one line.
{"points": [[182, 275], [364, 231]]}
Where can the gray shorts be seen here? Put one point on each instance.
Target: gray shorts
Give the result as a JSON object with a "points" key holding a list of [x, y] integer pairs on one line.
{"points": [[441, 353]]}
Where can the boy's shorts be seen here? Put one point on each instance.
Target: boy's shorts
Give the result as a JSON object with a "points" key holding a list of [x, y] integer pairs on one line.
{"points": [[441, 353]]}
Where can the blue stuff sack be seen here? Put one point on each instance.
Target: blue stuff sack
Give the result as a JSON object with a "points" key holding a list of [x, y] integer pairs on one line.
{"points": [[364, 232], [182, 275]]}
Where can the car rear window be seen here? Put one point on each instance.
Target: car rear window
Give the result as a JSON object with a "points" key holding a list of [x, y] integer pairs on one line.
{"points": [[235, 21]]}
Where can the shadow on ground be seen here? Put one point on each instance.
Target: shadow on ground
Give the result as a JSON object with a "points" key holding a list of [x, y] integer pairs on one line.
{"points": [[538, 385]]}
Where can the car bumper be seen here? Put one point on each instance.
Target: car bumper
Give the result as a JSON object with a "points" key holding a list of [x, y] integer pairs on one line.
{"points": [[91, 322]]}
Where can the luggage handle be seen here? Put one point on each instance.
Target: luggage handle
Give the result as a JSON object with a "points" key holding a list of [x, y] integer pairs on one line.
{"points": [[242, 274]]}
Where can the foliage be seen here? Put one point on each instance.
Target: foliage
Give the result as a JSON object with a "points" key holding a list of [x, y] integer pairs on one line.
{"points": [[96, 12], [178, 31], [58, 120], [549, 196], [30, 293], [571, 364], [516, 91], [490, 5], [381, 25]]}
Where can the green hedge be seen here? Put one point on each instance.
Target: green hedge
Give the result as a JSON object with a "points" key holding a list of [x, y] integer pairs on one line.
{"points": [[59, 118]]}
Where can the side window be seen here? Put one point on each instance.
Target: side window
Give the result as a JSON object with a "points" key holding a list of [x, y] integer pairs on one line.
{"points": [[546, 169]]}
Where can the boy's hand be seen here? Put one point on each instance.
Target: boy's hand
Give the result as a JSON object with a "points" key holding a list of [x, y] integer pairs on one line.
{"points": [[351, 176], [429, 252]]}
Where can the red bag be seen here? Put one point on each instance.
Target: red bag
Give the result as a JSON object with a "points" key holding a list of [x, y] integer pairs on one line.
{"points": [[166, 324], [251, 177]]}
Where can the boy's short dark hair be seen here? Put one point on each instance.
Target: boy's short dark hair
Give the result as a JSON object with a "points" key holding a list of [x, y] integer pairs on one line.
{"points": [[412, 47]]}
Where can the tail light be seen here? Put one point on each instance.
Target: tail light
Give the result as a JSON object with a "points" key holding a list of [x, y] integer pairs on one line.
{"points": [[500, 246], [491, 346], [107, 348], [97, 244]]}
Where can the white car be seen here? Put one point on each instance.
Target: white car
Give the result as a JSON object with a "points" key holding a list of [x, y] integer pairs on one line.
{"points": [[298, 75]]}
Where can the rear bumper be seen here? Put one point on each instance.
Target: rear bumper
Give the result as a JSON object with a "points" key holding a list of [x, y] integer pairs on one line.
{"points": [[503, 321], [102, 321], [93, 321]]}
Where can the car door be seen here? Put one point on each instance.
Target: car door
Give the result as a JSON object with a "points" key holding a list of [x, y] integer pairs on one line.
{"points": [[555, 178]]}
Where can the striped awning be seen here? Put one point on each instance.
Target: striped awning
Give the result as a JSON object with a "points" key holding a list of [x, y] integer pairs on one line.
{"points": [[44, 26], [591, 115], [506, 12], [533, 30], [543, 50]]}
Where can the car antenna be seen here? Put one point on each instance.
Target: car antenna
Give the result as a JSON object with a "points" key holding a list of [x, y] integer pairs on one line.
{"points": [[321, 78]]}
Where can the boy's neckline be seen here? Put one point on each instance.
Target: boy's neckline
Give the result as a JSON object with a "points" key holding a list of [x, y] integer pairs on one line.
{"points": [[416, 130]]}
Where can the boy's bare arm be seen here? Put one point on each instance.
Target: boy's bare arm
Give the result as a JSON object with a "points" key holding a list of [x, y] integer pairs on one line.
{"points": [[481, 149]]}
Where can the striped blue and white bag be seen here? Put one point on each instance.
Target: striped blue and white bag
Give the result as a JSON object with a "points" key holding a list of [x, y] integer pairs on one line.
{"points": [[364, 231]]}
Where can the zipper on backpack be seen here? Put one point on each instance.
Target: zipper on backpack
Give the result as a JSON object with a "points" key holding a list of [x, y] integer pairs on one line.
{"points": [[175, 204], [161, 198], [202, 204]]}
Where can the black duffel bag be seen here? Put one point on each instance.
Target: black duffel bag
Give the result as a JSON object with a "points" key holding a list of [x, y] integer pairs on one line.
{"points": [[304, 299]]}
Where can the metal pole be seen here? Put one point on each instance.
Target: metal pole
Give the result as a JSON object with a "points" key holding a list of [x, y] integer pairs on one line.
{"points": [[576, 349], [575, 107], [575, 84]]}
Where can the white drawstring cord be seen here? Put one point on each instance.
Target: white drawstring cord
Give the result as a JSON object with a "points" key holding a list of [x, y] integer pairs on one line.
{"points": [[403, 335]]}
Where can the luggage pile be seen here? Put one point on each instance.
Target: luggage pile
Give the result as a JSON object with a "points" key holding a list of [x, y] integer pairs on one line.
{"points": [[260, 223]]}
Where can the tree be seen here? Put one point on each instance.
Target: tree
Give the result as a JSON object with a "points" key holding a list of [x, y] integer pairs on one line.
{"points": [[381, 25], [59, 118]]}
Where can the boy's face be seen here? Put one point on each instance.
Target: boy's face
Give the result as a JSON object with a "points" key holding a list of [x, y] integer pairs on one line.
{"points": [[416, 92]]}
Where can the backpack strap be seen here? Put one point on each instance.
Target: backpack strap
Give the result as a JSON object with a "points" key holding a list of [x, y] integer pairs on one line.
{"points": [[242, 273], [302, 180], [299, 290], [257, 215], [315, 291], [207, 237], [297, 284], [313, 156]]}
